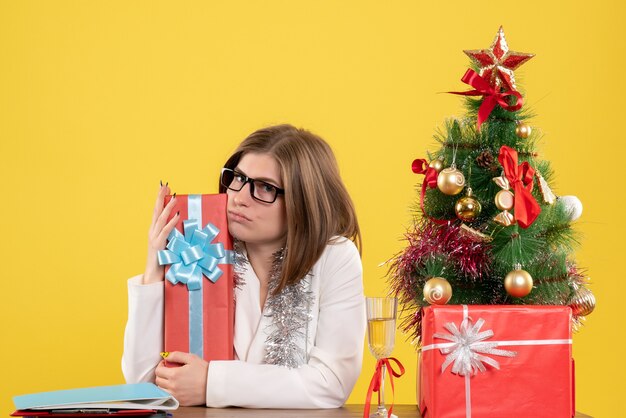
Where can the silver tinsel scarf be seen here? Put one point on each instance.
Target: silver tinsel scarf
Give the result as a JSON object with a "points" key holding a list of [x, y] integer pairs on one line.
{"points": [[290, 310], [240, 261]]}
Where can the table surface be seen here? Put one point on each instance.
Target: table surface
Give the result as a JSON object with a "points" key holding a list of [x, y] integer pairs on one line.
{"points": [[347, 411]]}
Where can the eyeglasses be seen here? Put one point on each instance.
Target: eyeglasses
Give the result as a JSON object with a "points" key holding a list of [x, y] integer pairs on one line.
{"points": [[259, 190]]}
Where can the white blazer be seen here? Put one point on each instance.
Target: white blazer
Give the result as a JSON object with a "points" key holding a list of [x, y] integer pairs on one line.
{"points": [[334, 347]]}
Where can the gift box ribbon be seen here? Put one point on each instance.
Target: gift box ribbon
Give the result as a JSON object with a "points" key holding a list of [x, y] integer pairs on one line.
{"points": [[469, 352], [190, 256]]}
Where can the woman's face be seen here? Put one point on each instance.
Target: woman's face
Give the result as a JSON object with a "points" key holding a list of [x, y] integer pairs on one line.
{"points": [[250, 220]]}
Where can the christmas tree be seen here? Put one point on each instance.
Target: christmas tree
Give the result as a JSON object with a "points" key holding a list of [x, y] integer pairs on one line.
{"points": [[488, 229]]}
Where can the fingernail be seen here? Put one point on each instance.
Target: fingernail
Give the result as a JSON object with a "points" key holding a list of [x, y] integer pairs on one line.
{"points": [[174, 196], [178, 213], [161, 182], [167, 183], [165, 354]]}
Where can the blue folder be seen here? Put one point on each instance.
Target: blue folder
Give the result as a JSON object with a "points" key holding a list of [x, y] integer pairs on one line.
{"points": [[133, 396]]}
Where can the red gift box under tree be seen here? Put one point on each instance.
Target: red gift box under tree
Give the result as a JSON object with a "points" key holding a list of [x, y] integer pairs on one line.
{"points": [[483, 361]]}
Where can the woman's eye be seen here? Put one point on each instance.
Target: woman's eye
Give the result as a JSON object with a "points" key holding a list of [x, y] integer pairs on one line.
{"points": [[268, 188], [239, 178]]}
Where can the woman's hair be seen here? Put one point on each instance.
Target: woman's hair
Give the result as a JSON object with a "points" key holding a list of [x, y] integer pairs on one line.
{"points": [[317, 203]]}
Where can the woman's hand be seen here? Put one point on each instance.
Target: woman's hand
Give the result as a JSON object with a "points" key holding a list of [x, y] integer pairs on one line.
{"points": [[186, 383], [157, 236]]}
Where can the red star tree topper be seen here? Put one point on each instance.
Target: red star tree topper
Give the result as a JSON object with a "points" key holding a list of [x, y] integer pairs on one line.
{"points": [[498, 62]]}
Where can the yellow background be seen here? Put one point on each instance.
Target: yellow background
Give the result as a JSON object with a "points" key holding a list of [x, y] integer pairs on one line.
{"points": [[100, 100]]}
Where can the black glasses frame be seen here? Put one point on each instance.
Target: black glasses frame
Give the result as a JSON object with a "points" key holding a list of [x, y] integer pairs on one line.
{"points": [[251, 181]]}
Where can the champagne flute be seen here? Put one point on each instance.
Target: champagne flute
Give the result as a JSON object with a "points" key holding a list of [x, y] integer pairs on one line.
{"points": [[381, 333]]}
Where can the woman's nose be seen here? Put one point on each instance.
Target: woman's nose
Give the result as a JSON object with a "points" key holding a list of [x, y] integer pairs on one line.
{"points": [[244, 195]]}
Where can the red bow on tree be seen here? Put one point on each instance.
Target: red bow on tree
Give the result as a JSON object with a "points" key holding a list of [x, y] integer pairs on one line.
{"points": [[420, 166], [521, 180], [492, 96]]}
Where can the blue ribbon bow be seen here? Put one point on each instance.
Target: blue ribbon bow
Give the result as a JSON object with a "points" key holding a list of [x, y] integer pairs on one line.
{"points": [[191, 255]]}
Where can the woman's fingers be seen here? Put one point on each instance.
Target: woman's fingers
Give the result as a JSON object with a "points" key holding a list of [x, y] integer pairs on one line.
{"points": [[164, 190], [163, 376], [165, 232], [156, 240], [180, 357], [162, 383], [163, 372], [188, 382], [162, 218]]}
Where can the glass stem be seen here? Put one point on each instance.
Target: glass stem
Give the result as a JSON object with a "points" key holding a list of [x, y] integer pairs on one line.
{"points": [[381, 403]]}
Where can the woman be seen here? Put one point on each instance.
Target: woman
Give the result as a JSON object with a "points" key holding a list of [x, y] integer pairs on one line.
{"points": [[298, 235]]}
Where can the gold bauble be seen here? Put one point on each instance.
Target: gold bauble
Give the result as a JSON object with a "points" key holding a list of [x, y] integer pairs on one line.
{"points": [[436, 164], [504, 200], [450, 181], [518, 283], [467, 208], [437, 291], [523, 130], [583, 302]]}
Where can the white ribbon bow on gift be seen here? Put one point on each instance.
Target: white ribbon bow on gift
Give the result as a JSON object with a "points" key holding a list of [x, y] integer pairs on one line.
{"points": [[468, 348]]}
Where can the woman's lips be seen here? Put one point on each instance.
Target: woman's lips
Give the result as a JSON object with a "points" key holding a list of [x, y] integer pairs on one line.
{"points": [[238, 217]]}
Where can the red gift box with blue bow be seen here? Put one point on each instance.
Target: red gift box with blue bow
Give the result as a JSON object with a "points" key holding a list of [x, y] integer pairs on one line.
{"points": [[199, 300]]}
